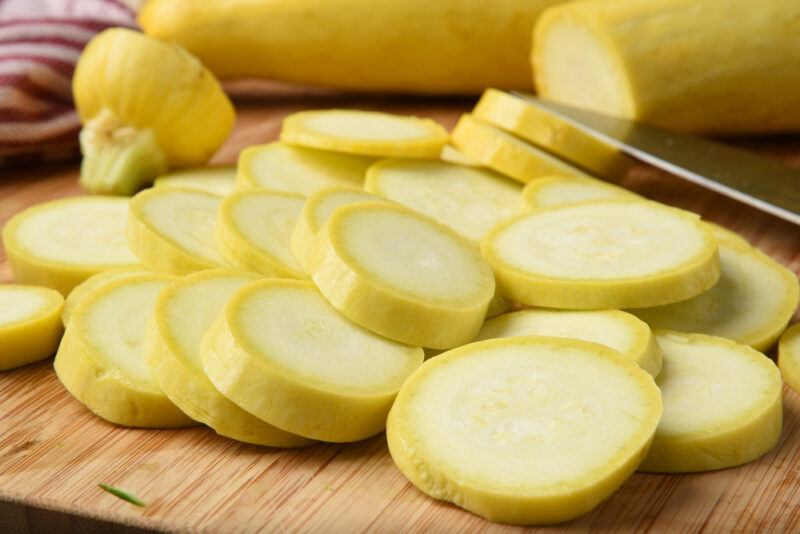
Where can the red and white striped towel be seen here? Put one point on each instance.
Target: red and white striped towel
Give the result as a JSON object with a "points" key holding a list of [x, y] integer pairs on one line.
{"points": [[40, 41]]}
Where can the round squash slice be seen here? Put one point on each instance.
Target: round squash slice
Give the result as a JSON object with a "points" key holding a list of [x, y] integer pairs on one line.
{"points": [[317, 209], [559, 191], [618, 330], [30, 324], [402, 274], [789, 356], [61, 243], [368, 133], [509, 155], [101, 360], [602, 255], [89, 285], [171, 230], [524, 430], [722, 405], [297, 169], [216, 179], [470, 201], [751, 303], [254, 231], [281, 352], [183, 313]]}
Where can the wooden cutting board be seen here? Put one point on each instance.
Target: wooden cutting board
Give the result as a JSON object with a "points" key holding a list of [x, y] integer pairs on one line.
{"points": [[53, 452]]}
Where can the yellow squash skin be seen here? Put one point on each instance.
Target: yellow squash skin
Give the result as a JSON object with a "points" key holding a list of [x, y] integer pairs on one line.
{"points": [[690, 65], [34, 337], [420, 46], [131, 88]]}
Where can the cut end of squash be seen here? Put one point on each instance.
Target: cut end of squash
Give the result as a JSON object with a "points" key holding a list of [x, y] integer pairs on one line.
{"points": [[30, 328], [576, 65]]}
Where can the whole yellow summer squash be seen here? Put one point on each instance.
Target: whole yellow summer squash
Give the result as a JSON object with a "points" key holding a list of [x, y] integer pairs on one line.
{"points": [[707, 66], [419, 46]]}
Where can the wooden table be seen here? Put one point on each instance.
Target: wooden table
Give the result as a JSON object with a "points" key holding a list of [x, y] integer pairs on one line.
{"points": [[53, 452]]}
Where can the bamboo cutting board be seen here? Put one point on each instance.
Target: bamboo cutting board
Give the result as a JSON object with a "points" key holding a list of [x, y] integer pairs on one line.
{"points": [[53, 452]]}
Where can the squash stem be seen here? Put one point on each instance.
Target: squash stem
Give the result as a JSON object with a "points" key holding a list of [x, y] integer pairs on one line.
{"points": [[118, 159]]}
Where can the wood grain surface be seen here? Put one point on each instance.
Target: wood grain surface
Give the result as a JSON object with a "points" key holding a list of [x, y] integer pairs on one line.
{"points": [[53, 452]]}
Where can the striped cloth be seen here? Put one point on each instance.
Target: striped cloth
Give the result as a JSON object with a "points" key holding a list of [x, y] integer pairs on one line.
{"points": [[40, 41]]}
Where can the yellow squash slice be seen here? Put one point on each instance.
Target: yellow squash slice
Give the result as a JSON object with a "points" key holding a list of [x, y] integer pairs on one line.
{"points": [[217, 179], [751, 303], [316, 211], [183, 313], [722, 405], [254, 231], [368, 133], [615, 329], [296, 169], [470, 201], [30, 324], [559, 191], [402, 274], [789, 356], [101, 360], [451, 154], [509, 155], [723, 234], [61, 243], [517, 116], [281, 352], [171, 230], [603, 255], [89, 285], [526, 430]]}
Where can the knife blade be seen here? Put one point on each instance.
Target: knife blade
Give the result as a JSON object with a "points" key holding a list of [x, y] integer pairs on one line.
{"points": [[765, 184]]}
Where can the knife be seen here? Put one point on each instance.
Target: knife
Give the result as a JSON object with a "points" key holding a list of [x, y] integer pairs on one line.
{"points": [[763, 183]]}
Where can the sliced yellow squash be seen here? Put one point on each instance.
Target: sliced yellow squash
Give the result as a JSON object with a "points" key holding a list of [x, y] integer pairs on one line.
{"points": [[402, 274], [723, 234], [789, 356], [316, 211], [602, 255], [183, 313], [88, 285], [751, 303], [217, 179], [559, 191], [61, 243], [519, 117], [615, 329], [368, 133], [722, 405], [281, 352], [254, 231], [101, 360], [468, 200], [296, 169], [30, 324], [509, 155], [451, 154], [171, 230], [526, 430]]}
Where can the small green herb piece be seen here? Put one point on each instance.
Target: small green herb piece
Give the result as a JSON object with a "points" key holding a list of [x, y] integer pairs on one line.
{"points": [[122, 494]]}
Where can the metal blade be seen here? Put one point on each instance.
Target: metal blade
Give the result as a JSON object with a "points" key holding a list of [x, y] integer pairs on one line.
{"points": [[760, 182]]}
